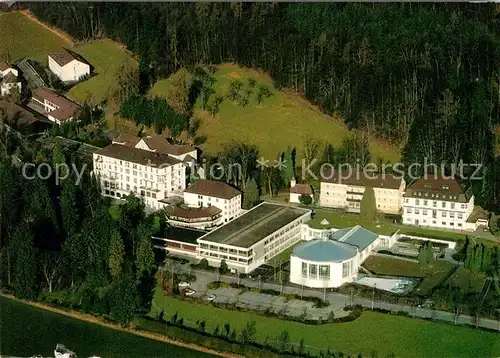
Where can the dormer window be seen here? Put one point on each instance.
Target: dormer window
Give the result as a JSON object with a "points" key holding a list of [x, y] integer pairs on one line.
{"points": [[445, 187], [428, 185]]}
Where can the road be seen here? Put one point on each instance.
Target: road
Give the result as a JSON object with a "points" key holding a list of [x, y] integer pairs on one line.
{"points": [[336, 299]]}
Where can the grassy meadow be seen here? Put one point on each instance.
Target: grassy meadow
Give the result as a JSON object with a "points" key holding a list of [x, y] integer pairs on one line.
{"points": [[282, 120], [382, 333], [106, 56], [21, 37]]}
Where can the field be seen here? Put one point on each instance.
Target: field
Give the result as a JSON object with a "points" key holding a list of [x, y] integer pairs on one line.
{"points": [[282, 120], [21, 37], [24, 37], [385, 334], [432, 274], [106, 56]]}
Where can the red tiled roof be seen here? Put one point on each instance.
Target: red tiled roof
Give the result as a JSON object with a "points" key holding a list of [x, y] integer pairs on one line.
{"points": [[67, 109], [156, 143], [192, 213], [213, 188], [302, 189], [161, 145], [127, 139]]}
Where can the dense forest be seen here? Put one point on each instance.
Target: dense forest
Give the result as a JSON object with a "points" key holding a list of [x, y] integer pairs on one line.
{"points": [[62, 237], [424, 76]]}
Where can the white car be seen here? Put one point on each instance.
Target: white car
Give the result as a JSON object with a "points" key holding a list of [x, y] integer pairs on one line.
{"points": [[184, 285], [189, 292], [211, 297]]}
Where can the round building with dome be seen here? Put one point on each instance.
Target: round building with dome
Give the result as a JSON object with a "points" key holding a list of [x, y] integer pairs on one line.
{"points": [[331, 261]]}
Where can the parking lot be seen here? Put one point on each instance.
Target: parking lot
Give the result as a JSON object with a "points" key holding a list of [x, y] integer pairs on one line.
{"points": [[276, 304]]}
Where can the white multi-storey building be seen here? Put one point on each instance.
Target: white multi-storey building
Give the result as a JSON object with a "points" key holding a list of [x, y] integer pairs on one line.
{"points": [[206, 193], [253, 238], [152, 176], [438, 202], [346, 191]]}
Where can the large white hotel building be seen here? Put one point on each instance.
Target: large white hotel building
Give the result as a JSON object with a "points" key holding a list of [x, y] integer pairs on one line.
{"points": [[438, 202], [150, 168]]}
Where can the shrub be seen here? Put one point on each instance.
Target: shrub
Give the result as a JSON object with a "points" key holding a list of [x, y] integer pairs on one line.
{"points": [[203, 264]]}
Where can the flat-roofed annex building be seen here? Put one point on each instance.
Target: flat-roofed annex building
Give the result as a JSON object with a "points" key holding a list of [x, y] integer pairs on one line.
{"points": [[333, 260], [337, 190], [250, 240]]}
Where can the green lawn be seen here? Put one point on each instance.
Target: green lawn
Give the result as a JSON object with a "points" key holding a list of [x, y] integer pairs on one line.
{"points": [[282, 120], [468, 281], [432, 274], [106, 56], [385, 334], [20, 37]]}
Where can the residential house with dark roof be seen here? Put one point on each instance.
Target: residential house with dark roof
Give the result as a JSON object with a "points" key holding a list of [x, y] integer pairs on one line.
{"points": [[297, 190], [345, 190], [68, 66], [56, 108], [439, 202], [9, 79]]}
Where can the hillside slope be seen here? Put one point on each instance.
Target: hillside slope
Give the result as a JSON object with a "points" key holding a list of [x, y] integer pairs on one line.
{"points": [[282, 120], [22, 37]]}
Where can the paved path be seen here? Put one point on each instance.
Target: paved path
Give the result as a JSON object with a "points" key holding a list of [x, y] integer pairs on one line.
{"points": [[336, 299]]}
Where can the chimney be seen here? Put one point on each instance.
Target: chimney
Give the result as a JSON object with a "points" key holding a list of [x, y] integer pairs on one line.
{"points": [[292, 182]]}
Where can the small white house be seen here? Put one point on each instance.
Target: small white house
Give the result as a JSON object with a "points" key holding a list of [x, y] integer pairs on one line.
{"points": [[9, 79], [68, 66], [296, 190]]}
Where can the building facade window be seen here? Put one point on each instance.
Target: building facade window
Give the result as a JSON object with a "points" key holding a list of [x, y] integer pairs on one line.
{"points": [[345, 269], [304, 269], [313, 271], [324, 272]]}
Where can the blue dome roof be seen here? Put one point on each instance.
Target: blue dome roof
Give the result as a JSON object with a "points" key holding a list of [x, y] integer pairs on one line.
{"points": [[324, 251]]}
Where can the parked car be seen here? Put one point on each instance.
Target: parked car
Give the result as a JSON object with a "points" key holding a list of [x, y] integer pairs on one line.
{"points": [[184, 284], [189, 292], [211, 297]]}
